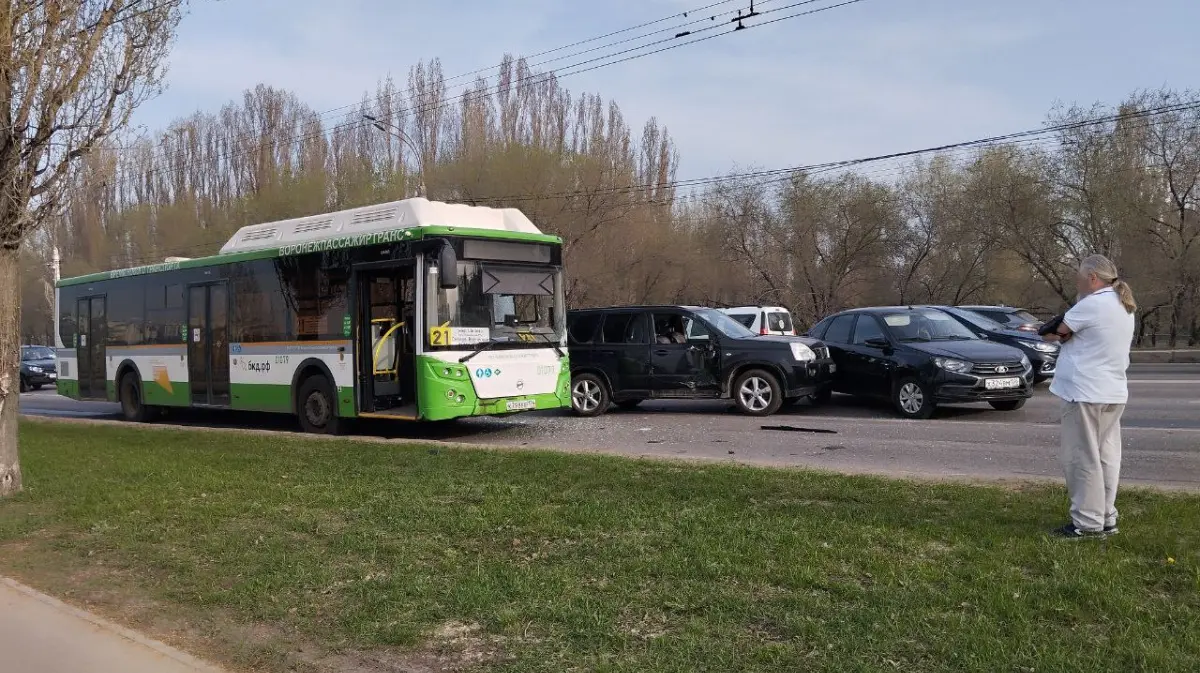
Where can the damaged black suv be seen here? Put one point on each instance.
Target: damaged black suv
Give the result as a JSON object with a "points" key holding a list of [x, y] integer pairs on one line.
{"points": [[626, 355]]}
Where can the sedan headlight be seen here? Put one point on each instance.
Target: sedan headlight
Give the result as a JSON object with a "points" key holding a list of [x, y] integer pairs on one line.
{"points": [[802, 353], [1040, 346], [952, 365], [36, 369]]}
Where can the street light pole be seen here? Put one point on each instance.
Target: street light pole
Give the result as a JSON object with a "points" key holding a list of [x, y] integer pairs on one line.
{"points": [[399, 134]]}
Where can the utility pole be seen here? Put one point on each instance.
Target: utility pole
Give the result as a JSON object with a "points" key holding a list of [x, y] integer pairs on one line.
{"points": [[399, 134], [55, 273]]}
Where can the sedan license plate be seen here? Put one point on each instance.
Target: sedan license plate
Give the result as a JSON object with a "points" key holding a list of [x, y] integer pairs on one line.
{"points": [[521, 405], [1002, 384]]}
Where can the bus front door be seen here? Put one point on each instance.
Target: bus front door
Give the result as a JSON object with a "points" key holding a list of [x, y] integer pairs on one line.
{"points": [[208, 344], [92, 337], [386, 303]]}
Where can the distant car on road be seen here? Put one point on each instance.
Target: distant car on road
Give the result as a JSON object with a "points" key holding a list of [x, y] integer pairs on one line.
{"points": [[1013, 318], [919, 357], [39, 367], [626, 355], [763, 320], [1043, 356]]}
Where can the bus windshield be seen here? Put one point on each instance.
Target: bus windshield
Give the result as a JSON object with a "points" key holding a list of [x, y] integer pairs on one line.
{"points": [[497, 303]]}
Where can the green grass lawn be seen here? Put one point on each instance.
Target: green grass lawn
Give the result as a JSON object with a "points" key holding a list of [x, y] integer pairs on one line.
{"points": [[539, 561]]}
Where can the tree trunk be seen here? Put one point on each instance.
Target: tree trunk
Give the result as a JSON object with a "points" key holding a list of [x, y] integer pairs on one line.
{"points": [[10, 381]]}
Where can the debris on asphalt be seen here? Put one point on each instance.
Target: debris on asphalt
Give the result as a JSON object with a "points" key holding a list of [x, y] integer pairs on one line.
{"points": [[792, 428]]}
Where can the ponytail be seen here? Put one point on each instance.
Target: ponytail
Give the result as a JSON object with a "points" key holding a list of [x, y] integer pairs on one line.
{"points": [[1103, 268], [1125, 294]]}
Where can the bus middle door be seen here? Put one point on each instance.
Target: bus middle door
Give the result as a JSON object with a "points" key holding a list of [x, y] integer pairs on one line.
{"points": [[385, 316]]}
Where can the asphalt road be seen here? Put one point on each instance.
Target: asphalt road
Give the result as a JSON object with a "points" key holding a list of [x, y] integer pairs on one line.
{"points": [[1161, 433]]}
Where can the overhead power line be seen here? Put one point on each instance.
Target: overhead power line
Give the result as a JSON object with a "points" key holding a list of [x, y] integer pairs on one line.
{"points": [[380, 99], [590, 65]]}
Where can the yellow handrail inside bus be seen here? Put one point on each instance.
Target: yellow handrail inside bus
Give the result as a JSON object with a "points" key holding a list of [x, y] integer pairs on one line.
{"points": [[375, 358]]}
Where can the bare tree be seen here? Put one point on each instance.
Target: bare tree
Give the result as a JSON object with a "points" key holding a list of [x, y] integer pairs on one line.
{"points": [[71, 73]]}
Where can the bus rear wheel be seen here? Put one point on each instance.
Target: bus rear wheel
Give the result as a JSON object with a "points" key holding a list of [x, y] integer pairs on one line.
{"points": [[130, 396], [316, 406]]}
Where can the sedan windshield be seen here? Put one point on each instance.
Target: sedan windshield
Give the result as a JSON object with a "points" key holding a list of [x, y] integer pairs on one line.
{"points": [[36, 353], [925, 325], [724, 324], [497, 303]]}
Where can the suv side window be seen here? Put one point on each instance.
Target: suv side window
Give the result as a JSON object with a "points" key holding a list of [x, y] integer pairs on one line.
{"points": [[625, 328], [696, 330], [582, 329], [670, 328], [839, 329]]}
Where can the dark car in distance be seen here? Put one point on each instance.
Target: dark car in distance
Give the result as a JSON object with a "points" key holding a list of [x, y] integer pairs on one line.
{"points": [[1042, 355], [1012, 318], [38, 367], [918, 358], [626, 355]]}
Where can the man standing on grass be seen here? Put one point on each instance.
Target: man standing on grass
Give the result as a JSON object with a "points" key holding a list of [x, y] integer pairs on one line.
{"points": [[1096, 335]]}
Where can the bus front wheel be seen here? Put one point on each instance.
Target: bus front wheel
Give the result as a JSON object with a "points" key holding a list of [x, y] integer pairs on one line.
{"points": [[317, 406]]}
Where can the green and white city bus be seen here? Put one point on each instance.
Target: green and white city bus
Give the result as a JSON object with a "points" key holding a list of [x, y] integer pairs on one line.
{"points": [[413, 310]]}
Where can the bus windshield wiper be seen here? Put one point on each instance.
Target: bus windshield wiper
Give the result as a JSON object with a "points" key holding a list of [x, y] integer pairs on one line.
{"points": [[484, 345], [550, 341]]}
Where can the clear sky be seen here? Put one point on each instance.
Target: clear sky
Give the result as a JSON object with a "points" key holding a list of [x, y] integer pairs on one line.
{"points": [[870, 78]]}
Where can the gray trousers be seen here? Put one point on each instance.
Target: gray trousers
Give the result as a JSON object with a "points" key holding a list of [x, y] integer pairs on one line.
{"points": [[1091, 458]]}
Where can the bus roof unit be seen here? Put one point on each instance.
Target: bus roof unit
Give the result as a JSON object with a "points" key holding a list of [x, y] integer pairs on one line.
{"points": [[406, 214]]}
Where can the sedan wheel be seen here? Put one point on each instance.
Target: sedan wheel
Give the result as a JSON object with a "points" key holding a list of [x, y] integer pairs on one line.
{"points": [[912, 399]]}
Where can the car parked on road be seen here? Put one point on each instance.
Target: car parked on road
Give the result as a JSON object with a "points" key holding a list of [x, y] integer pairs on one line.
{"points": [[1042, 355], [38, 367], [1013, 318], [626, 355], [918, 358], [763, 320]]}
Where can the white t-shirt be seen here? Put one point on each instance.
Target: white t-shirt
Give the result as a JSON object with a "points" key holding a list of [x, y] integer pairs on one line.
{"points": [[1092, 363]]}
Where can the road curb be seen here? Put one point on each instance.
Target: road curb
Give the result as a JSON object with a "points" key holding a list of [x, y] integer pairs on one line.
{"points": [[903, 475], [1164, 357], [163, 649]]}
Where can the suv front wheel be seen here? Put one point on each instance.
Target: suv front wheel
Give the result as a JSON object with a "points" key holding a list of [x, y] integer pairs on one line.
{"points": [[758, 393], [912, 399]]}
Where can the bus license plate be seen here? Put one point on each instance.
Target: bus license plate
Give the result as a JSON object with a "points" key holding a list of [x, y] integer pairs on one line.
{"points": [[1002, 384], [521, 405]]}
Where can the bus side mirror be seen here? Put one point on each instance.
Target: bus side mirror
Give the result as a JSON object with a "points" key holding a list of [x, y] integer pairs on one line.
{"points": [[447, 267]]}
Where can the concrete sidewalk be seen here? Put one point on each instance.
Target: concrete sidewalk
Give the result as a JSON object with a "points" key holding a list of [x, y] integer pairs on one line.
{"points": [[40, 634]]}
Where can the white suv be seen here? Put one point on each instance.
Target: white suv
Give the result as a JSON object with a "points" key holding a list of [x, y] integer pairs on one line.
{"points": [[763, 319]]}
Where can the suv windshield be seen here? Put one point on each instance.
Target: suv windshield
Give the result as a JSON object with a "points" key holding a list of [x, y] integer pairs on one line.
{"points": [[36, 353], [925, 325], [724, 324], [496, 303]]}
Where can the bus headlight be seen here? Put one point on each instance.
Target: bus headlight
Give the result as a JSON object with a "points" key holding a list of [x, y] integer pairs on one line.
{"points": [[451, 394]]}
